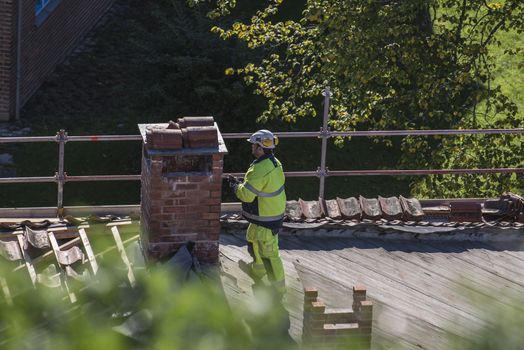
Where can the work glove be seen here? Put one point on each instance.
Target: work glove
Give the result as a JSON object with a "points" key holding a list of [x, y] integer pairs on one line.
{"points": [[233, 182]]}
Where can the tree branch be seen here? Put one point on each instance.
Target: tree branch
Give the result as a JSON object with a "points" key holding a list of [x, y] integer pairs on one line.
{"points": [[461, 21], [498, 25]]}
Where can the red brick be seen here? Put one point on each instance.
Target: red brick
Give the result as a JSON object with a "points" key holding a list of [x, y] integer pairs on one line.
{"points": [[156, 195], [209, 201], [214, 224], [196, 121], [311, 292], [359, 290], [211, 216], [160, 250], [176, 179], [175, 209], [181, 187], [174, 238], [212, 186], [187, 201], [174, 194], [156, 210], [201, 136], [167, 202], [318, 307], [197, 179], [208, 236]]}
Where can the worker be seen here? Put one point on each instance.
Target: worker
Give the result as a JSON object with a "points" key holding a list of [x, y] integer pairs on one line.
{"points": [[263, 205]]}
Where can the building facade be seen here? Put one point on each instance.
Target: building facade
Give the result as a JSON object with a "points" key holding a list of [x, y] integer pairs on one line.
{"points": [[35, 36]]}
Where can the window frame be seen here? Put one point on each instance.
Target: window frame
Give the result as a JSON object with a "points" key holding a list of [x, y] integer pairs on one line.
{"points": [[41, 13]]}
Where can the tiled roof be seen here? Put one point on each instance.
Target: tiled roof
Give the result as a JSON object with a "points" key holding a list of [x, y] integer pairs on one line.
{"points": [[382, 212], [54, 253]]}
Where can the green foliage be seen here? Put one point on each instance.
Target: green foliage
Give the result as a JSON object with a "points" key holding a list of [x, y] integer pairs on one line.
{"points": [[193, 316], [469, 152], [501, 323], [414, 64], [155, 61], [395, 64]]}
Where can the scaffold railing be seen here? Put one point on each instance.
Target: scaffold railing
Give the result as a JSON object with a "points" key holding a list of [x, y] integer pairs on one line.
{"points": [[322, 172]]}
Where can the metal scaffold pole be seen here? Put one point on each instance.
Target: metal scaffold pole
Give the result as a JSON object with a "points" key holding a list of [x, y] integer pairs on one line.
{"points": [[61, 138], [324, 134]]}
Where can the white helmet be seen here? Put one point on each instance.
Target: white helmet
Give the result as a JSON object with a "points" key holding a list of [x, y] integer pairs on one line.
{"points": [[264, 138]]}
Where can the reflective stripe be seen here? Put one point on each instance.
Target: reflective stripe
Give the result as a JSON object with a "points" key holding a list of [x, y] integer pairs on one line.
{"points": [[264, 194], [262, 218]]}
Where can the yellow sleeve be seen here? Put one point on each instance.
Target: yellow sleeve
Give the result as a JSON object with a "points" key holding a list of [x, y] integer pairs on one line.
{"points": [[253, 179]]}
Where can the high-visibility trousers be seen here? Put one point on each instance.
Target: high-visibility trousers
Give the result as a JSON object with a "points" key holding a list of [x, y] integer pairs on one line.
{"points": [[263, 248]]}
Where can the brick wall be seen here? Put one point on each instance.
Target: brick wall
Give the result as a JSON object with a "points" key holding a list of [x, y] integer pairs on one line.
{"points": [[181, 207], [46, 45], [337, 328], [7, 58]]}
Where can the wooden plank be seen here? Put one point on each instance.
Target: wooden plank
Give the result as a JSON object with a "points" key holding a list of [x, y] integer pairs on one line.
{"points": [[56, 250], [512, 249], [387, 289], [482, 260], [409, 325], [399, 298], [401, 305], [27, 259], [429, 284], [6, 291], [469, 278], [89, 251], [412, 309], [123, 255], [406, 332], [65, 232], [127, 241]]}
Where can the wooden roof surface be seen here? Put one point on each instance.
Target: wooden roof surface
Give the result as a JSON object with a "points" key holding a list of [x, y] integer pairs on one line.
{"points": [[422, 290]]}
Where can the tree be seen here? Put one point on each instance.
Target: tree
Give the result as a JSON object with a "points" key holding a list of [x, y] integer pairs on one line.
{"points": [[412, 64]]}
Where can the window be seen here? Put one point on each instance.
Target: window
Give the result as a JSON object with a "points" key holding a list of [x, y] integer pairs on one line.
{"points": [[43, 8], [40, 5]]}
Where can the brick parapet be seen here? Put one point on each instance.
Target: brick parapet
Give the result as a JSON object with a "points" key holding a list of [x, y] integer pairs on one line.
{"points": [[337, 328]]}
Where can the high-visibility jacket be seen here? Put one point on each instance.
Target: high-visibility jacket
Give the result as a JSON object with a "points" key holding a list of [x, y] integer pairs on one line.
{"points": [[262, 193]]}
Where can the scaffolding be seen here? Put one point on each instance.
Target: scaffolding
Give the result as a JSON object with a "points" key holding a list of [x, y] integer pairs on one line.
{"points": [[322, 172]]}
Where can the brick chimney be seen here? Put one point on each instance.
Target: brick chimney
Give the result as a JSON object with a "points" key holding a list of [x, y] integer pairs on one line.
{"points": [[181, 187]]}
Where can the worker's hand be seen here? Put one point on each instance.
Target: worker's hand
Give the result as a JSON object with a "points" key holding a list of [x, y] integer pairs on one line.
{"points": [[232, 179], [233, 182]]}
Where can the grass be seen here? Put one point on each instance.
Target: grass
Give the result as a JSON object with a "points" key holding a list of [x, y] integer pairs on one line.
{"points": [[509, 72]]}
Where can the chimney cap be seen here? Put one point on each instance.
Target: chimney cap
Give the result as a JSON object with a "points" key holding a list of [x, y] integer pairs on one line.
{"points": [[221, 149]]}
